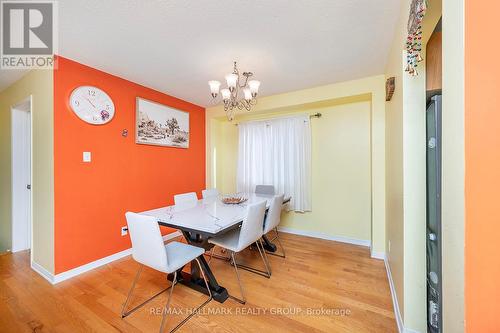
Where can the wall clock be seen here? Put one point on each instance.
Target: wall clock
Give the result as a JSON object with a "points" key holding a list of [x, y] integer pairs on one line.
{"points": [[92, 105]]}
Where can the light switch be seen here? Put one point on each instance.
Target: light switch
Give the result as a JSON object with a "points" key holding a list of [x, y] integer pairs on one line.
{"points": [[87, 156]]}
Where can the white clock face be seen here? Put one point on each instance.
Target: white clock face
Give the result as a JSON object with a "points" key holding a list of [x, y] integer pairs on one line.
{"points": [[92, 105]]}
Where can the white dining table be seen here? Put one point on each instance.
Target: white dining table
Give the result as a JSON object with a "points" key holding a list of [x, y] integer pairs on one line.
{"points": [[208, 216], [200, 220]]}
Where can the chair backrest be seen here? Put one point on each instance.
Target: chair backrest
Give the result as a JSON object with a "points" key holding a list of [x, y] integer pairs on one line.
{"points": [[147, 242], [185, 198], [209, 192], [264, 189], [274, 213], [251, 228]]}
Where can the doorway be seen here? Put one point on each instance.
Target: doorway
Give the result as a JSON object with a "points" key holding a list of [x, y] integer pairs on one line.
{"points": [[21, 176]]}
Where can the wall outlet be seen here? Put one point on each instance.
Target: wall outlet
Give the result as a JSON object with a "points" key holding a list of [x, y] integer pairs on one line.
{"points": [[124, 231], [87, 156]]}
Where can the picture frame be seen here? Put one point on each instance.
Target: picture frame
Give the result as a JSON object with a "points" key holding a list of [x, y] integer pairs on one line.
{"points": [[160, 125]]}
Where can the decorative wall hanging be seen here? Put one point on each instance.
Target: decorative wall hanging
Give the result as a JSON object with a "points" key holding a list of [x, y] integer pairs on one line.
{"points": [[160, 125], [390, 85], [414, 39]]}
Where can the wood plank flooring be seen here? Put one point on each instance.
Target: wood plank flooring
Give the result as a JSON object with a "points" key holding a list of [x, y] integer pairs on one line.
{"points": [[317, 275]]}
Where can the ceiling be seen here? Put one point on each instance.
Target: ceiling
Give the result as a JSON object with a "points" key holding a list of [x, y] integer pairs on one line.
{"points": [[176, 46]]}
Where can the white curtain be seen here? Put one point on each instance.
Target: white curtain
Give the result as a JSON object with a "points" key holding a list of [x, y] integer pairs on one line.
{"points": [[277, 152]]}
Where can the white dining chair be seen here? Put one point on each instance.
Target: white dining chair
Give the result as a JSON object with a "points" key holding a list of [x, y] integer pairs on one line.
{"points": [[273, 219], [209, 193], [148, 250], [264, 189], [185, 198], [239, 239]]}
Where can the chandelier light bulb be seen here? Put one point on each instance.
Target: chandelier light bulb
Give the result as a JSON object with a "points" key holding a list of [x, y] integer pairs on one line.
{"points": [[254, 87], [248, 94], [214, 87], [226, 94], [232, 80]]}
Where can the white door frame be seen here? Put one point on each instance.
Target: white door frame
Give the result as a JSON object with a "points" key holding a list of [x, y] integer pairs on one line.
{"points": [[16, 108]]}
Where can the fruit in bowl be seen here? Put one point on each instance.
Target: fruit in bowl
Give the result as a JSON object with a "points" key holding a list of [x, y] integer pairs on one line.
{"points": [[233, 199]]}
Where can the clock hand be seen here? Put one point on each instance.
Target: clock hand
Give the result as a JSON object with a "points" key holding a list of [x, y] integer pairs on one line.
{"points": [[88, 100]]}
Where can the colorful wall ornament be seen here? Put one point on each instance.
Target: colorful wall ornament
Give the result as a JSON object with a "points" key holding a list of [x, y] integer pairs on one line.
{"points": [[414, 39]]}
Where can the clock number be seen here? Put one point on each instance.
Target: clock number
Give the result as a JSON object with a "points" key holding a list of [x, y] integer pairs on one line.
{"points": [[77, 103], [91, 92]]}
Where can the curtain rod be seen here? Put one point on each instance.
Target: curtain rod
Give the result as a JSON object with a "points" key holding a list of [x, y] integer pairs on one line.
{"points": [[316, 115]]}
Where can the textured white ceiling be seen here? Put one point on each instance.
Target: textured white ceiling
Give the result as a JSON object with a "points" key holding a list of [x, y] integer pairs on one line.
{"points": [[176, 46]]}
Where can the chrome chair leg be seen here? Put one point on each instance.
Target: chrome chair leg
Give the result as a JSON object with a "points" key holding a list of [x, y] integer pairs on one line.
{"points": [[211, 254], [195, 311], [126, 313], [277, 237], [266, 260], [242, 301], [167, 306], [266, 273], [216, 256]]}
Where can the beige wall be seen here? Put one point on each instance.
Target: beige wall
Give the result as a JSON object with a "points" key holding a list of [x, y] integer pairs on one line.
{"points": [[341, 184], [453, 166], [365, 100], [406, 175], [38, 84]]}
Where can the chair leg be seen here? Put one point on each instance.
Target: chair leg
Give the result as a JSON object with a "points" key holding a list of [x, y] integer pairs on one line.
{"points": [[242, 301], [211, 254], [195, 311], [167, 306], [216, 256], [266, 260], [266, 273], [126, 313], [277, 237]]}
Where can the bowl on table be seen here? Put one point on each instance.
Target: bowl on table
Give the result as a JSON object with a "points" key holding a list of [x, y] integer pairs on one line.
{"points": [[233, 199]]}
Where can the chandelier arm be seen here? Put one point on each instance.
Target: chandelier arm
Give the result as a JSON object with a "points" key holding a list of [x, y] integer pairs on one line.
{"points": [[248, 106], [246, 81]]}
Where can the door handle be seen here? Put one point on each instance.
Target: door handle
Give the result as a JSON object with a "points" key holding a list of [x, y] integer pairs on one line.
{"points": [[28, 186]]}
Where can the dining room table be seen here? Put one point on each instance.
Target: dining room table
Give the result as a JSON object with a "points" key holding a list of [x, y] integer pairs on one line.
{"points": [[199, 221]]}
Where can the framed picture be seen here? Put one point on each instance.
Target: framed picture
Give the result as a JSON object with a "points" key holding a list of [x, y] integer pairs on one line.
{"points": [[161, 125]]}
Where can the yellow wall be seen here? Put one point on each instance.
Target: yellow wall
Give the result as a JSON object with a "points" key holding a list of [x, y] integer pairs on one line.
{"points": [[38, 84], [359, 106], [341, 184], [406, 175], [453, 168]]}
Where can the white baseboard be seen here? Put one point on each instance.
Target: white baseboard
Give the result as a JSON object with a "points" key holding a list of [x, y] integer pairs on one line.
{"points": [[397, 313], [395, 304], [320, 235], [54, 279], [43, 272], [377, 255]]}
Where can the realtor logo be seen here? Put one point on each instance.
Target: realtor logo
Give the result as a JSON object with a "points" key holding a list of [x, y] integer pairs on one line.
{"points": [[28, 34]]}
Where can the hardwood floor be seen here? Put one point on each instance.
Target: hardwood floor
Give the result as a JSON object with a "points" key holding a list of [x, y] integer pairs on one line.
{"points": [[317, 274]]}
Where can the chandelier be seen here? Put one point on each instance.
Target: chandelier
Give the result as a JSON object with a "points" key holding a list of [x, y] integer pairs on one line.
{"points": [[240, 92]]}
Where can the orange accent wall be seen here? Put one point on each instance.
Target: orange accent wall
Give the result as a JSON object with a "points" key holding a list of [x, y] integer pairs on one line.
{"points": [[92, 198], [482, 165]]}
